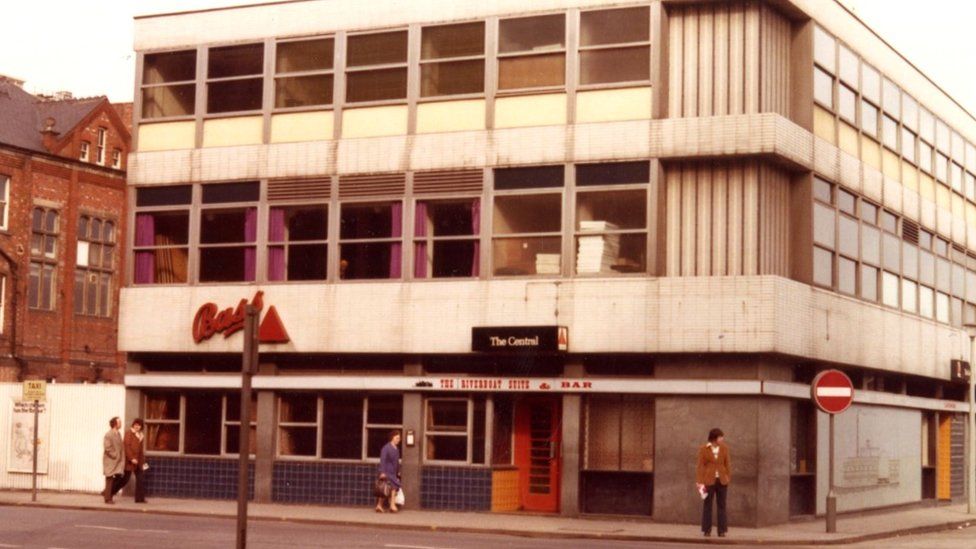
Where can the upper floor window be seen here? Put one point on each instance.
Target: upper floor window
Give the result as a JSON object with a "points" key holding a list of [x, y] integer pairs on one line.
{"points": [[235, 78], [452, 59], [446, 238], [298, 242], [4, 201], [100, 147], [162, 235], [370, 240], [95, 264], [376, 67], [532, 52], [169, 84], [304, 73], [42, 279], [117, 159], [615, 46], [611, 217], [228, 232], [85, 151], [527, 221]]}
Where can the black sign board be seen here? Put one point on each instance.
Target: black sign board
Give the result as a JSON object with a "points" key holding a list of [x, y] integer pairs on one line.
{"points": [[961, 371], [519, 339]]}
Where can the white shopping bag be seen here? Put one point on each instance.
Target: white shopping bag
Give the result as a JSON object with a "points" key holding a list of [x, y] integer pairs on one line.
{"points": [[399, 500], [702, 490]]}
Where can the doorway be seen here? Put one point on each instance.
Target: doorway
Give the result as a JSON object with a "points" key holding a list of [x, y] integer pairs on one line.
{"points": [[537, 445]]}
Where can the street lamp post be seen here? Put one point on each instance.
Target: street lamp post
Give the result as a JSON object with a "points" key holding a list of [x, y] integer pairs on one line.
{"points": [[970, 453]]}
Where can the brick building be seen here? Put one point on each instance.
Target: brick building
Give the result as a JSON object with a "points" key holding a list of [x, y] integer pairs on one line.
{"points": [[62, 186]]}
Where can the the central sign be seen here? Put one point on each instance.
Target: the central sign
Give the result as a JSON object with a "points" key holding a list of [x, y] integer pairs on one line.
{"points": [[210, 320], [519, 339]]}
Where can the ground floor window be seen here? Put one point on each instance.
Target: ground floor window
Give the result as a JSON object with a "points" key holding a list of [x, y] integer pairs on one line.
{"points": [[337, 426], [196, 423], [619, 433], [455, 430]]}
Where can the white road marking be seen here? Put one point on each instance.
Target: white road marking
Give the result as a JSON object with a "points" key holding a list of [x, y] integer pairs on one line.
{"points": [[412, 546], [117, 529], [834, 391], [8, 545]]}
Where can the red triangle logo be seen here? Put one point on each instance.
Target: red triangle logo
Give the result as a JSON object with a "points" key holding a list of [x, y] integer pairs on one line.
{"points": [[272, 330]]}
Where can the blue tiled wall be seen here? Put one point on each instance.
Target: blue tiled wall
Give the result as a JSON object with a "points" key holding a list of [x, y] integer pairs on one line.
{"points": [[194, 477], [456, 488], [334, 483]]}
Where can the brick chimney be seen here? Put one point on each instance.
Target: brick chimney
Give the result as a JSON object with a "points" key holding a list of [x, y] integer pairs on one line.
{"points": [[48, 135]]}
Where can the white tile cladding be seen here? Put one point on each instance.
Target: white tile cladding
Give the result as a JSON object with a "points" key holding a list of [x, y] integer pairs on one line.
{"points": [[665, 315]]}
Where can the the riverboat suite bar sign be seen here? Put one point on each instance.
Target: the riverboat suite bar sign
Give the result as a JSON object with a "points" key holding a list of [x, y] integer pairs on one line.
{"points": [[519, 339]]}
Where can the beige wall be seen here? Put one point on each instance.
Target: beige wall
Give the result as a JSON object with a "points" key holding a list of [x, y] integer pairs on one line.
{"points": [[165, 136]]}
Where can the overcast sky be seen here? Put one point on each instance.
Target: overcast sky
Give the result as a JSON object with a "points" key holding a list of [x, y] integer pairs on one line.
{"points": [[86, 47]]}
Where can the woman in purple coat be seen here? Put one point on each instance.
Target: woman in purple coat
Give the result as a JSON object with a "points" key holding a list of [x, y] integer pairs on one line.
{"points": [[390, 470]]}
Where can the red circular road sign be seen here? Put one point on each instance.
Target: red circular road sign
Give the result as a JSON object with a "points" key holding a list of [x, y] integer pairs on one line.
{"points": [[832, 391]]}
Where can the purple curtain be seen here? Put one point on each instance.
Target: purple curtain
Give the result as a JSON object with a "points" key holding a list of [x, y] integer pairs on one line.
{"points": [[250, 235], [145, 260], [475, 228], [420, 231], [276, 254], [396, 249]]}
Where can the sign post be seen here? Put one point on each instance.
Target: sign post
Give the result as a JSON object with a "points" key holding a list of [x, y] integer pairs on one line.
{"points": [[248, 367], [832, 392], [34, 390]]}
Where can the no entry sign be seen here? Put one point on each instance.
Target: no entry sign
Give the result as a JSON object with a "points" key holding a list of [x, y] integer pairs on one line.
{"points": [[832, 391]]}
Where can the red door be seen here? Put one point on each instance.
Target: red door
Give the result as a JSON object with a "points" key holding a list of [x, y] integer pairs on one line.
{"points": [[537, 427]]}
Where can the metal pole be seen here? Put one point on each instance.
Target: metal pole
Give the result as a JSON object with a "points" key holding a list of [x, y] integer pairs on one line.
{"points": [[831, 496], [971, 434], [34, 466], [248, 366]]}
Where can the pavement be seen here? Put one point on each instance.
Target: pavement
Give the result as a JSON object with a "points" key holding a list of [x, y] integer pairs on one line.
{"points": [[857, 528]]}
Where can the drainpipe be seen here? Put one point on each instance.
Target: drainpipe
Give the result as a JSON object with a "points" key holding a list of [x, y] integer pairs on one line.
{"points": [[14, 280]]}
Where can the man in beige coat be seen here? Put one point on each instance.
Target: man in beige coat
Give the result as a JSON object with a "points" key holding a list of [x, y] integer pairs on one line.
{"points": [[113, 458]]}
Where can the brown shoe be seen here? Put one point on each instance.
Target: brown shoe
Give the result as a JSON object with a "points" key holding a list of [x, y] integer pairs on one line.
{"points": [[109, 502]]}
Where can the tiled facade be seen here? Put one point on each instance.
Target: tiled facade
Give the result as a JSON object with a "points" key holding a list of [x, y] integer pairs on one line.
{"points": [[456, 488], [198, 478], [325, 483]]}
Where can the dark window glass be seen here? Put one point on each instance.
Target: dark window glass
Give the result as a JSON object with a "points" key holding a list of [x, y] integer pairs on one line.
{"points": [[163, 196], [306, 55], [615, 65], [447, 41], [377, 49], [174, 66], [302, 91], [452, 78], [234, 95], [385, 410], [531, 71], [532, 34], [235, 60], [366, 221], [231, 192], [376, 85], [614, 26], [342, 427], [160, 101], [612, 174], [529, 178], [203, 424]]}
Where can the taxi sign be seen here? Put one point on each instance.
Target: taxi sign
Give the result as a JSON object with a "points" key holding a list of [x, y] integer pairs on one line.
{"points": [[35, 389]]}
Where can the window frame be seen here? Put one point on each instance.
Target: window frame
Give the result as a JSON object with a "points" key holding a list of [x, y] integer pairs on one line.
{"points": [[431, 239], [208, 81], [88, 271], [493, 236], [143, 86], [500, 57], [468, 432], [276, 75], [84, 151], [43, 261], [6, 181], [617, 46], [390, 240], [287, 243], [421, 62], [102, 136], [379, 67]]}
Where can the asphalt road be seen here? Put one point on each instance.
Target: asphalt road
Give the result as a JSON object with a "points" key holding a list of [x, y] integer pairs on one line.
{"points": [[33, 527]]}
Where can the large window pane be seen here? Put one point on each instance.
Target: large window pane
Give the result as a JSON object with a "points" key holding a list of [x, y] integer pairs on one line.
{"points": [[909, 296], [610, 253], [452, 78], [847, 103], [823, 88], [302, 91], [889, 289], [533, 213], [846, 276], [532, 34], [610, 210], [377, 49], [203, 423], [526, 256], [234, 95], [869, 283], [306, 55], [366, 221], [447, 41], [847, 236], [235, 61], [824, 49], [614, 26], [342, 427], [616, 65], [160, 101], [174, 66], [823, 225], [823, 267], [870, 245], [926, 302], [376, 85], [531, 71]]}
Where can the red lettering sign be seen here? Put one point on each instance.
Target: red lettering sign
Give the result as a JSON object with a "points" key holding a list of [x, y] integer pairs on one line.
{"points": [[209, 320]]}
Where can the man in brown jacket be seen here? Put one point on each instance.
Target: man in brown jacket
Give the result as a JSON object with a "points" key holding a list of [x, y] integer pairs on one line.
{"points": [[714, 472], [135, 458], [112, 458]]}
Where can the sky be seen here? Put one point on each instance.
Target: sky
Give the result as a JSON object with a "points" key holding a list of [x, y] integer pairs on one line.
{"points": [[86, 47]]}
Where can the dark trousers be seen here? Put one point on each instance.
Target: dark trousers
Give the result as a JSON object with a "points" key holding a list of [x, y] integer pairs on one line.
{"points": [[123, 480], [110, 490], [716, 493]]}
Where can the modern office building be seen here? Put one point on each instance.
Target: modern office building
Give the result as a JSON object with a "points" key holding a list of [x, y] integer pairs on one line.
{"points": [[62, 203], [553, 243]]}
